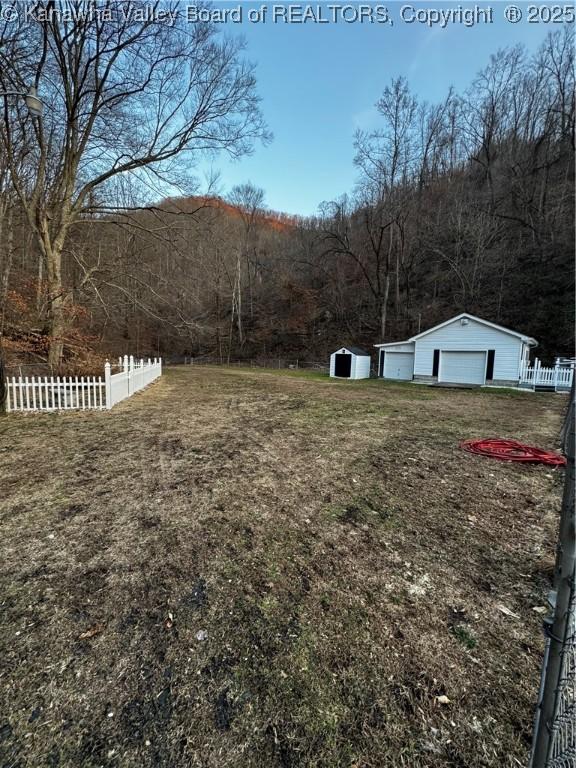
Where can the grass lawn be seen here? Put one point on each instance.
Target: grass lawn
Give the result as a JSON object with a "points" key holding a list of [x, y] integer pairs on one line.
{"points": [[245, 568]]}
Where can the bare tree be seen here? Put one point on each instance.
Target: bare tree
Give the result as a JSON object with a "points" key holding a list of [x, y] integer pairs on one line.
{"points": [[363, 236], [249, 202], [466, 204], [385, 156], [123, 96]]}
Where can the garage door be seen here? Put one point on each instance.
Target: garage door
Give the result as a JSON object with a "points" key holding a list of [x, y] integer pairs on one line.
{"points": [[462, 367], [399, 365]]}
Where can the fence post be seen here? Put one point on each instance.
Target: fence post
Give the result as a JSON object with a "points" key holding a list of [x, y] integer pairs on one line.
{"points": [[557, 628], [556, 372], [108, 383], [4, 397]]}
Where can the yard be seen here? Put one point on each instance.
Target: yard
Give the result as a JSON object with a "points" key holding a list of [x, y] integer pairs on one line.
{"points": [[245, 568]]}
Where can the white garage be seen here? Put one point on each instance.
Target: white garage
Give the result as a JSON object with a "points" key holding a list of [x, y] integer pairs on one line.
{"points": [[464, 350], [396, 361], [462, 367]]}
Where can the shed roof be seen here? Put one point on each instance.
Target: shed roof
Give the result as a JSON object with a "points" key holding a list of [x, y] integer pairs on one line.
{"points": [[356, 351]]}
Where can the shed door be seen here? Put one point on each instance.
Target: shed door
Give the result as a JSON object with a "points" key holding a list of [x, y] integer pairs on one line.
{"points": [[399, 365], [462, 367], [343, 365]]}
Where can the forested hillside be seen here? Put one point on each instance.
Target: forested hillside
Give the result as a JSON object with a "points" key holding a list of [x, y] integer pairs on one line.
{"points": [[463, 205]]}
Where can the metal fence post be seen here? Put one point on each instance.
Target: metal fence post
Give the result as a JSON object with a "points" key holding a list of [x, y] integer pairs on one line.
{"points": [[557, 684]]}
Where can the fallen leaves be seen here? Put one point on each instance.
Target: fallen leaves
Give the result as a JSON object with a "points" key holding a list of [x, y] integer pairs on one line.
{"points": [[507, 611], [92, 632]]}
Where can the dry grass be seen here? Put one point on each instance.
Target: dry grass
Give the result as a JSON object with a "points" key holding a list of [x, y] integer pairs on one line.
{"points": [[344, 561]]}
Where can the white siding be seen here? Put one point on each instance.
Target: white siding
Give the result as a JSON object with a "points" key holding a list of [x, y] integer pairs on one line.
{"points": [[471, 337], [360, 367], [405, 346]]}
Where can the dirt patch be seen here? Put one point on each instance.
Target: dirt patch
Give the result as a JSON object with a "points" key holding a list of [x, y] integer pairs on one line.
{"points": [[281, 570]]}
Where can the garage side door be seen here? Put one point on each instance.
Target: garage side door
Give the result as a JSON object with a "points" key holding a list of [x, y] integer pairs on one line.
{"points": [[462, 367], [399, 365]]}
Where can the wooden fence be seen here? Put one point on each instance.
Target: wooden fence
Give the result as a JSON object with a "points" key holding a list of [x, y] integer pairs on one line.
{"points": [[63, 393], [558, 378]]}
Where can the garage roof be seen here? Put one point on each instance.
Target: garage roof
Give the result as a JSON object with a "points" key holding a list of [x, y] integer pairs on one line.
{"points": [[522, 336], [408, 342], [528, 339]]}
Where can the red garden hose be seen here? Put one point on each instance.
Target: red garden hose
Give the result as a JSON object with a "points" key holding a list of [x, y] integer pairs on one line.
{"points": [[511, 450]]}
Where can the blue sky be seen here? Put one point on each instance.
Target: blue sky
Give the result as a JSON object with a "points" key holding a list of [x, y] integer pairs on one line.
{"points": [[319, 82]]}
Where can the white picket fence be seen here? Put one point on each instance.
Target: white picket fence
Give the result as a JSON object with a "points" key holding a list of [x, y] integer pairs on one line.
{"points": [[62, 393], [134, 376], [559, 377]]}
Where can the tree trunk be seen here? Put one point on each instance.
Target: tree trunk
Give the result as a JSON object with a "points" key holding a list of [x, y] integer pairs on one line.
{"points": [[9, 239], [57, 304], [384, 299], [57, 332], [239, 301], [250, 286], [52, 246], [397, 285], [3, 299], [384, 307], [39, 287]]}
